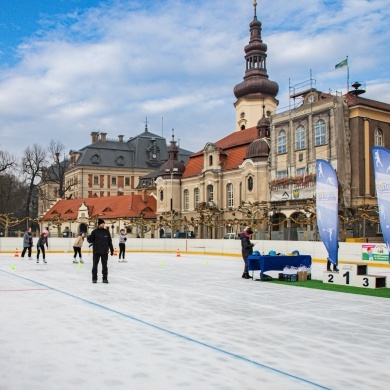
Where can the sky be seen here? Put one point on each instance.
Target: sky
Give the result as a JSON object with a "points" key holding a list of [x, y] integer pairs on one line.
{"points": [[70, 67]]}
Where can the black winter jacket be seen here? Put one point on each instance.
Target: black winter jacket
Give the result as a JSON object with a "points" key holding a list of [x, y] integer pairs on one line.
{"points": [[246, 246], [101, 241]]}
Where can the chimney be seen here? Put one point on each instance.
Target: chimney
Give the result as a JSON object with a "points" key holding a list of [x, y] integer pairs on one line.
{"points": [[144, 196], [103, 137], [120, 137], [95, 136]]}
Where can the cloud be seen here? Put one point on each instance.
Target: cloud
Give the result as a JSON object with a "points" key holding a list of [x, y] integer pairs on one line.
{"points": [[108, 67]]}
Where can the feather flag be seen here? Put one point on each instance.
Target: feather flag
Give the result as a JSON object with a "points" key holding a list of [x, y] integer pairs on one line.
{"points": [[327, 207], [381, 159]]}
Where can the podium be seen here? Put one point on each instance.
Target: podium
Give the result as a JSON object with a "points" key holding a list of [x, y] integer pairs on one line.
{"points": [[354, 275]]}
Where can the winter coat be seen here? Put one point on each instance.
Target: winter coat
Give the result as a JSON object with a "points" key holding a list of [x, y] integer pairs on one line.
{"points": [[101, 241], [246, 246], [27, 240], [43, 240], [79, 242], [122, 239]]}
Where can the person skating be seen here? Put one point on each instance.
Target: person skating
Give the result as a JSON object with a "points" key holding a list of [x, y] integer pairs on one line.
{"points": [[77, 248], [246, 249], [122, 246], [27, 243], [43, 240], [101, 241]]}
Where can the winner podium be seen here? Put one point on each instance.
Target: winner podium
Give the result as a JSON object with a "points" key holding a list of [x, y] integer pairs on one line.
{"points": [[354, 275]]}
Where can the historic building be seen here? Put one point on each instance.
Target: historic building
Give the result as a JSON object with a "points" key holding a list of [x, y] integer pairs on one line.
{"points": [[225, 185], [110, 167]]}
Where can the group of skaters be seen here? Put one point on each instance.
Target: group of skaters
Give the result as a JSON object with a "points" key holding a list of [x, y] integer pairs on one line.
{"points": [[100, 240], [28, 244]]}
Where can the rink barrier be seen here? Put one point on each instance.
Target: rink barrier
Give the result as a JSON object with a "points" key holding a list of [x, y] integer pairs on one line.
{"points": [[348, 252]]}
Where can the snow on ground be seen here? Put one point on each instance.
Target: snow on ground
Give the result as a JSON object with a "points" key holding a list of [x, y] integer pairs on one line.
{"points": [[189, 322]]}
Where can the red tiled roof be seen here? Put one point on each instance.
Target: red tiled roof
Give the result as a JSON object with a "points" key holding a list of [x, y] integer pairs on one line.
{"points": [[353, 100], [234, 146], [111, 207]]}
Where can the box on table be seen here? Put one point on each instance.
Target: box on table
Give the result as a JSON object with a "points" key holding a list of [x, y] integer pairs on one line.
{"points": [[302, 276]]}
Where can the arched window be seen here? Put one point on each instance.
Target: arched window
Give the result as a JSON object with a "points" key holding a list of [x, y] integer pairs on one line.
{"points": [[161, 195], [320, 133], [196, 197], [282, 142], [210, 161], [210, 193], [230, 197], [186, 199], [378, 137], [300, 141], [250, 183]]}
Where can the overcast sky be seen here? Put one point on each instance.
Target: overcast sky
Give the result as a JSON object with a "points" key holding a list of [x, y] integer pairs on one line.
{"points": [[69, 67]]}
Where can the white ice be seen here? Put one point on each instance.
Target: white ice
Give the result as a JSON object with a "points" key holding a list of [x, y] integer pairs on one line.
{"points": [[189, 322]]}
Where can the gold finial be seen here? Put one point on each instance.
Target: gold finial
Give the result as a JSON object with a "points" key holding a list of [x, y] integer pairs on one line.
{"points": [[255, 5]]}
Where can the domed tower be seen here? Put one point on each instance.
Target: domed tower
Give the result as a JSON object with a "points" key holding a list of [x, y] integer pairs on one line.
{"points": [[256, 89], [258, 150]]}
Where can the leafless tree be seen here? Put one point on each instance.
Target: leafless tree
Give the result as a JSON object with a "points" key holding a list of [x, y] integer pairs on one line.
{"points": [[7, 161], [55, 173], [33, 164]]}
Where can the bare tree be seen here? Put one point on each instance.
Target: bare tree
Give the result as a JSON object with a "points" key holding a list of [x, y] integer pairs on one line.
{"points": [[6, 161], [33, 164], [55, 174]]}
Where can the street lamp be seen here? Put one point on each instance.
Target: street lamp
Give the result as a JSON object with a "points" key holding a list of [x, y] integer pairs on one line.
{"points": [[171, 172]]}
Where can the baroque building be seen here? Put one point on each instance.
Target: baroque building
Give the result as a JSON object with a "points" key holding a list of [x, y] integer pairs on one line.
{"points": [[110, 167], [225, 185]]}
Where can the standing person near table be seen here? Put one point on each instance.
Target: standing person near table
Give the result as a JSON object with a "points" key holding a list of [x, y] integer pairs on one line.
{"points": [[27, 243], [42, 241], [122, 246], [77, 248], [101, 241], [246, 249]]}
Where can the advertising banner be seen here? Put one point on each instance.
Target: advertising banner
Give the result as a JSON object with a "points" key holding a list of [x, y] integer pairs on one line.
{"points": [[327, 207], [375, 252], [381, 159]]}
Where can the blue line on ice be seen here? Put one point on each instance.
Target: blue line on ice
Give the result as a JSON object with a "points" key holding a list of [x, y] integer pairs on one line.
{"points": [[243, 358]]}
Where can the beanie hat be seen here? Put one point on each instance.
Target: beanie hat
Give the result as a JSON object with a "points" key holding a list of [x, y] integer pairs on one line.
{"points": [[100, 221]]}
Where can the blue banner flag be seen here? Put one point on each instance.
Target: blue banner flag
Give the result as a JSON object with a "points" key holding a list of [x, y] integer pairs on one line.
{"points": [[327, 206], [381, 157], [341, 64]]}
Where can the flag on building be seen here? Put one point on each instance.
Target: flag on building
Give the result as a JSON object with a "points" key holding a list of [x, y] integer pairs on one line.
{"points": [[327, 207], [342, 64]]}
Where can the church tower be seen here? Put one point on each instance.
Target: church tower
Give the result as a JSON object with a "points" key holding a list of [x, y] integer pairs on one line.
{"points": [[256, 90]]}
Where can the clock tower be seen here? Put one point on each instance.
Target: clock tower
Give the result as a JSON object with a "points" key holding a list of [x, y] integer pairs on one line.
{"points": [[256, 90]]}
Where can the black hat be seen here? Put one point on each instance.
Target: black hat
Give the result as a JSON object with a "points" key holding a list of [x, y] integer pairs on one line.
{"points": [[100, 221], [249, 230]]}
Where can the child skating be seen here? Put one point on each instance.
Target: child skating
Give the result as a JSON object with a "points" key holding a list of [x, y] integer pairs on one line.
{"points": [[43, 240], [122, 246], [77, 248]]}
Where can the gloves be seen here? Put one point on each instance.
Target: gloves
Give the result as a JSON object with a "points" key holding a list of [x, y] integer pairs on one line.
{"points": [[112, 253]]}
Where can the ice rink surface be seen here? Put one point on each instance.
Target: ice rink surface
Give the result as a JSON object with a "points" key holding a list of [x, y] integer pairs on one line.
{"points": [[189, 322]]}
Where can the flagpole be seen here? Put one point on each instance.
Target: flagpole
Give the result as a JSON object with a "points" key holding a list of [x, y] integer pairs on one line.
{"points": [[347, 75]]}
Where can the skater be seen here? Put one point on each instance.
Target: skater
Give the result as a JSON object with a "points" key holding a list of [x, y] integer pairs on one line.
{"points": [[122, 246], [101, 241], [27, 243], [77, 248], [246, 249], [43, 240]]}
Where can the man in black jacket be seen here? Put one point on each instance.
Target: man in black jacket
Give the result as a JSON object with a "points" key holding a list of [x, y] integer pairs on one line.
{"points": [[246, 249], [101, 241]]}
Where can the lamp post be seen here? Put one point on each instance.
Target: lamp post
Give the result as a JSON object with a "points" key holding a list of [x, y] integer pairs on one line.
{"points": [[171, 172]]}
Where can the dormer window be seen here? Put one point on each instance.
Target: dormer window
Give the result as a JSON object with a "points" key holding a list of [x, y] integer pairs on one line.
{"points": [[95, 159]]}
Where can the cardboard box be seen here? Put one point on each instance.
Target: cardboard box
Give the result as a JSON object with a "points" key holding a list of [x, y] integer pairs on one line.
{"points": [[302, 276]]}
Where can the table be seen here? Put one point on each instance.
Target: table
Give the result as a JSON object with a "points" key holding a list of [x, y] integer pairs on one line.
{"points": [[276, 263]]}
